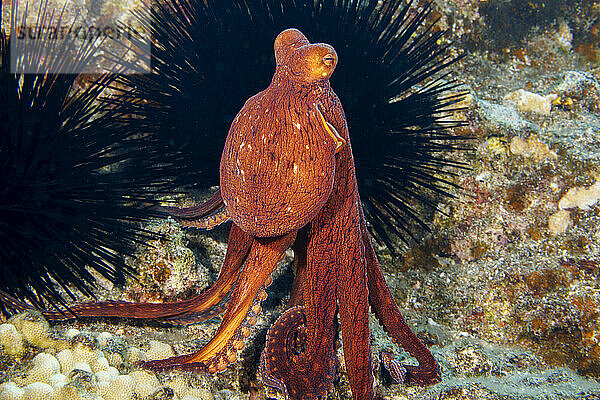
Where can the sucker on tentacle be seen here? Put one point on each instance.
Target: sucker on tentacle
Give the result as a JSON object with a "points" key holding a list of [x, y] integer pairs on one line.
{"points": [[283, 357], [244, 305], [219, 361], [394, 367], [207, 222], [206, 215]]}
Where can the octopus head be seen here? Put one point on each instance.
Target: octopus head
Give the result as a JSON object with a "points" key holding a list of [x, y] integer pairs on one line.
{"points": [[307, 62]]}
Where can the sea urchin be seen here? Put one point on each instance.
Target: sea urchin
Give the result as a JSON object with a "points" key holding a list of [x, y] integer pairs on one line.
{"points": [[72, 182]]}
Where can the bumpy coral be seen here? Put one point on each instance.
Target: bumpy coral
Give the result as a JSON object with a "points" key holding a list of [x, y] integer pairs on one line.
{"points": [[167, 268]]}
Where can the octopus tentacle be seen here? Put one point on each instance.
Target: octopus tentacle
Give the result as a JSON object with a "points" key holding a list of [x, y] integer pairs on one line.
{"points": [[172, 313], [354, 318], [394, 367], [246, 298], [382, 301], [286, 340], [284, 361], [202, 216], [207, 222], [191, 317], [299, 355], [198, 211], [339, 224]]}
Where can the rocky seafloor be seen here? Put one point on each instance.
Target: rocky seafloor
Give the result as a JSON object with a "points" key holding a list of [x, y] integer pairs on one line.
{"points": [[504, 289]]}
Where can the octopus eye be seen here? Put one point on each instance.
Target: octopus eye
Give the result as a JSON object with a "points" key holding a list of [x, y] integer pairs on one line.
{"points": [[328, 59]]}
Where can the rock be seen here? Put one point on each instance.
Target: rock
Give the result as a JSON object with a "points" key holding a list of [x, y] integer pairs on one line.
{"points": [[38, 391], [72, 332], [103, 338], [135, 355], [531, 148], [582, 86], [11, 340], [104, 376], [10, 391], [159, 350], [146, 383], [34, 328], [100, 364], [44, 366], [82, 366], [531, 102], [559, 222], [57, 379], [114, 359], [121, 388], [581, 197], [65, 358]]}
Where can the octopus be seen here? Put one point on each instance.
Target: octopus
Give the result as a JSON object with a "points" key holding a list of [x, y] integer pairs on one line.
{"points": [[287, 180]]}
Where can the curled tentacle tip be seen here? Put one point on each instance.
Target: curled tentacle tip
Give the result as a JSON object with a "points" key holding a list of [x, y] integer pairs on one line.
{"points": [[393, 367], [267, 377]]}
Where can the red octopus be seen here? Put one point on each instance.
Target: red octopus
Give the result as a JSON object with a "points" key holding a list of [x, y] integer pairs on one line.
{"points": [[288, 180]]}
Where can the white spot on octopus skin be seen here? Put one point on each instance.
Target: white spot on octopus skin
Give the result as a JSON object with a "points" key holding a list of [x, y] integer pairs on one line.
{"points": [[297, 125], [295, 168]]}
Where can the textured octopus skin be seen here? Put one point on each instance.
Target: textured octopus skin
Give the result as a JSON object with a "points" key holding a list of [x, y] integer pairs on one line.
{"points": [[288, 180]]}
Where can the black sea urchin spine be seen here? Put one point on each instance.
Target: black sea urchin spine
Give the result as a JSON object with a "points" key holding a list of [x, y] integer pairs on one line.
{"points": [[74, 185], [210, 56]]}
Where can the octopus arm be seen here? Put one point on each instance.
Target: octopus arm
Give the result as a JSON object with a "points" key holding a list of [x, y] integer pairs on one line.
{"points": [[384, 306], [207, 215], [198, 211], [354, 318], [222, 349], [207, 222], [176, 313]]}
